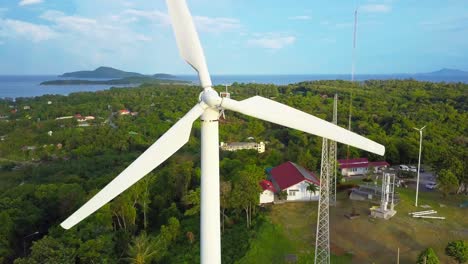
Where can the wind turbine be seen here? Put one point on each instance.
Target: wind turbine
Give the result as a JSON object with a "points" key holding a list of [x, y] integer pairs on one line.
{"points": [[208, 108]]}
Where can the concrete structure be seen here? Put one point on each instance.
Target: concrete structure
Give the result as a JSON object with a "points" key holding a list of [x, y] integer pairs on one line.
{"points": [[235, 146], [387, 197], [360, 166]]}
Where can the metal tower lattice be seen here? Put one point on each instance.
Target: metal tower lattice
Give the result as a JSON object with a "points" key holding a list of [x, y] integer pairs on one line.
{"points": [[332, 156], [322, 238]]}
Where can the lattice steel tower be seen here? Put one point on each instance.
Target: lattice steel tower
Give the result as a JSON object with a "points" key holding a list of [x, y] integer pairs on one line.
{"points": [[322, 238], [332, 156]]}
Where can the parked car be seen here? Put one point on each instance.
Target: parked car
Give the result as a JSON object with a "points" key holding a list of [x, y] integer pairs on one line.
{"points": [[431, 185], [404, 168], [412, 168], [401, 183], [421, 169]]}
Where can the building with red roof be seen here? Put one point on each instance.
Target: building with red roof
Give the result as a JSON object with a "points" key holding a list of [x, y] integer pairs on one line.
{"points": [[124, 112], [360, 166], [292, 178], [268, 194]]}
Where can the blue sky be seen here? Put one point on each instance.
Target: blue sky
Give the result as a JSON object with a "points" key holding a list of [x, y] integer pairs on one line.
{"points": [[238, 36]]}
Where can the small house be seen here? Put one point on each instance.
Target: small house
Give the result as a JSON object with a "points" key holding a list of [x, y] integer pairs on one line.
{"points": [[291, 178], [360, 166]]}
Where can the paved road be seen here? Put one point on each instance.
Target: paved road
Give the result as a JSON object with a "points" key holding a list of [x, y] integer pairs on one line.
{"points": [[424, 178]]}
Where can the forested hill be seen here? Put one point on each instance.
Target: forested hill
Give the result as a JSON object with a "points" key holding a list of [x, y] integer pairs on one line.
{"points": [[50, 166], [111, 73]]}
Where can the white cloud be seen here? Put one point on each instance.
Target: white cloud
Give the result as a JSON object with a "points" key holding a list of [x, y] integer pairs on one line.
{"points": [[155, 16], [103, 39], [271, 41], [216, 24], [375, 8], [29, 2], [34, 32], [202, 23], [70, 23], [100, 30], [299, 18]]}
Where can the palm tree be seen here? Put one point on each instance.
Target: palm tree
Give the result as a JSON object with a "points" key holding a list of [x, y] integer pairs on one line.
{"points": [[141, 250], [312, 188]]}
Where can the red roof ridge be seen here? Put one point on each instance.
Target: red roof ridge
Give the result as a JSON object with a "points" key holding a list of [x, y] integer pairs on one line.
{"points": [[267, 185], [289, 174]]}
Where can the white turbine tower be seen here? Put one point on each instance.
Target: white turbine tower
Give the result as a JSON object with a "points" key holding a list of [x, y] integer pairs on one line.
{"points": [[208, 108]]}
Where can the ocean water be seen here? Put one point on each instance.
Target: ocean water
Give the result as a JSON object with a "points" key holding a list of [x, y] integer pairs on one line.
{"points": [[13, 86], [295, 78], [29, 85]]}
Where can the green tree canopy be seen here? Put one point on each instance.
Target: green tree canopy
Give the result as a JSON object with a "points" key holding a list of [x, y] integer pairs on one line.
{"points": [[428, 256], [458, 250]]}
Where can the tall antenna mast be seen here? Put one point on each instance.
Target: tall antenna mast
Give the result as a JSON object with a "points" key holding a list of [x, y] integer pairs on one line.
{"points": [[353, 69], [322, 237], [332, 155], [354, 46]]}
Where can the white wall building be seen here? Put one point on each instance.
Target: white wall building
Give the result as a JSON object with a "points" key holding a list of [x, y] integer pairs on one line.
{"points": [[268, 194], [291, 178], [360, 166], [299, 192], [235, 146]]}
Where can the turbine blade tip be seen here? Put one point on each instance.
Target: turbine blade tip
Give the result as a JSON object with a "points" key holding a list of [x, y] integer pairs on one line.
{"points": [[65, 226]]}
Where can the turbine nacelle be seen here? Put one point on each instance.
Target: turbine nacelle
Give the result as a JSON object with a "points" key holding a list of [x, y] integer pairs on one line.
{"points": [[210, 97]]}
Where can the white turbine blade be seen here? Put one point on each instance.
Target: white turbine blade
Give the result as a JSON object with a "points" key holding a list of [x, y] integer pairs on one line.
{"points": [[284, 115], [156, 154], [187, 39]]}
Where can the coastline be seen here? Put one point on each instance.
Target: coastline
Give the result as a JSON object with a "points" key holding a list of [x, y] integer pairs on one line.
{"points": [[15, 86]]}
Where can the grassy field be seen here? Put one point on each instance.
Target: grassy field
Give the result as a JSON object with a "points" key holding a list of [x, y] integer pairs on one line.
{"points": [[291, 228]]}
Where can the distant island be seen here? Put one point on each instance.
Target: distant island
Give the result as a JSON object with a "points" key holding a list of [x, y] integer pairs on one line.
{"points": [[122, 81], [111, 73], [446, 72], [117, 77], [112, 76]]}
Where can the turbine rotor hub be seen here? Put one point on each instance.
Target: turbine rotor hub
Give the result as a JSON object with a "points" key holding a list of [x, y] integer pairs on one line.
{"points": [[210, 97]]}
